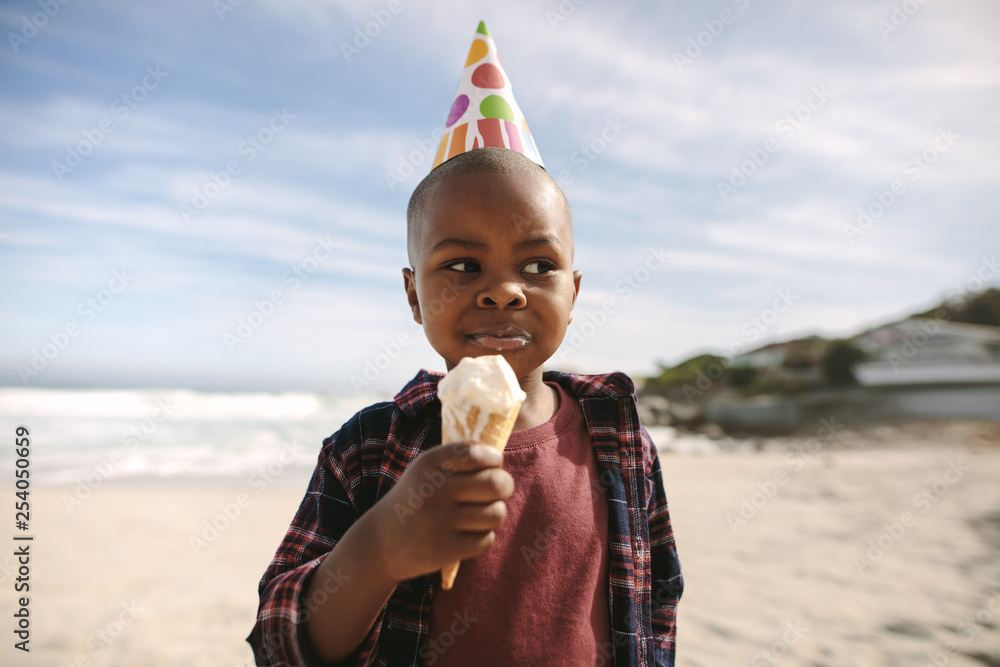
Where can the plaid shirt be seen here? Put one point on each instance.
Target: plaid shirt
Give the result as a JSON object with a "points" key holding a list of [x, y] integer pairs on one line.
{"points": [[362, 461]]}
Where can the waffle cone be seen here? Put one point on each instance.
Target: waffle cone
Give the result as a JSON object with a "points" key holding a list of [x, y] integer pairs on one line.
{"points": [[491, 429], [495, 431], [465, 418]]}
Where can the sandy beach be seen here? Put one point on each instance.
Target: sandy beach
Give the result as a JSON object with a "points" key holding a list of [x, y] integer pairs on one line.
{"points": [[880, 556]]}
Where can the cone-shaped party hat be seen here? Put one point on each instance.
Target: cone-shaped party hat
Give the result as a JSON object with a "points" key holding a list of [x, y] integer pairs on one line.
{"points": [[484, 112]]}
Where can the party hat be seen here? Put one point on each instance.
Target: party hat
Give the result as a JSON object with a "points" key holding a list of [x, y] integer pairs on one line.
{"points": [[484, 112]]}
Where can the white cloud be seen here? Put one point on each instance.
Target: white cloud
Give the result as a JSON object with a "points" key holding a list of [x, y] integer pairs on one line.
{"points": [[655, 185]]}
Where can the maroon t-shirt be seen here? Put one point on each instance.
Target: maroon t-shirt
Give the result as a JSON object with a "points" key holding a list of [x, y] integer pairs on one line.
{"points": [[540, 594]]}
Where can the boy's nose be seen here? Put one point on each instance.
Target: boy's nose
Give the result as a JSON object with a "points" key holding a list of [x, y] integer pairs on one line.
{"points": [[501, 295]]}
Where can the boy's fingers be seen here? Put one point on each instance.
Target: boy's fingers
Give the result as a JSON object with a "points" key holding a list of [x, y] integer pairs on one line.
{"points": [[473, 544], [465, 457], [482, 486], [480, 518]]}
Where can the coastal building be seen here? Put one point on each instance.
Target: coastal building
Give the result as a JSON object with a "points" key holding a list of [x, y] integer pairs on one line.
{"points": [[915, 369], [929, 352]]}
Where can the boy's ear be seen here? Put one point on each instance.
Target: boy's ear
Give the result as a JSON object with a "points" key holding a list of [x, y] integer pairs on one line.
{"points": [[410, 285], [576, 291]]}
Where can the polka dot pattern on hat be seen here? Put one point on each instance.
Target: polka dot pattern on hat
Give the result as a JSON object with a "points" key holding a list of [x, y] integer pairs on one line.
{"points": [[484, 112]]}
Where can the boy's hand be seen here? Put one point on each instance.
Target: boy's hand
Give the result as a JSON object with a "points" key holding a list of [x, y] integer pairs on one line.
{"points": [[443, 509]]}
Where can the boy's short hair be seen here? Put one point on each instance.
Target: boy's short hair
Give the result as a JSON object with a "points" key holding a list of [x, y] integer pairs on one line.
{"points": [[487, 160]]}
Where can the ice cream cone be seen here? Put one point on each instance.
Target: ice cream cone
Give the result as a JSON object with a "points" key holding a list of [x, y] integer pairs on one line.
{"points": [[480, 399]]}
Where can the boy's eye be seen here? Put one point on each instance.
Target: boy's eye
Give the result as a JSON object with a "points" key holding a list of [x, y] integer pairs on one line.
{"points": [[464, 267], [539, 267]]}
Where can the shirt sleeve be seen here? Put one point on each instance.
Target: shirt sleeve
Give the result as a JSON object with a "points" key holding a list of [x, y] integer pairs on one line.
{"points": [[328, 509], [667, 582]]}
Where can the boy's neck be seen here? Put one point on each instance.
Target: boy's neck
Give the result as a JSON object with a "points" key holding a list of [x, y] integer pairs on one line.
{"points": [[539, 405]]}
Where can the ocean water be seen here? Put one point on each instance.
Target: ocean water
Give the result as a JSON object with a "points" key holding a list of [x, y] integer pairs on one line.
{"points": [[92, 436], [97, 435]]}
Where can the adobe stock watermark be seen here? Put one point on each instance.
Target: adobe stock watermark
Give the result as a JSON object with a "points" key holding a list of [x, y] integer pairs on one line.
{"points": [[230, 512], [8, 568], [265, 308], [923, 501], [418, 494], [102, 639], [59, 340], [438, 646], [588, 153], [391, 350], [223, 7], [581, 331], [268, 473], [408, 164], [380, 361], [323, 587], [636, 279], [927, 328], [246, 151], [331, 583], [752, 329], [898, 17], [363, 35], [606, 650], [544, 538], [121, 108], [787, 126], [970, 627], [913, 169], [780, 648], [988, 268], [704, 39], [758, 325], [910, 347], [750, 506], [562, 12], [37, 21], [451, 291], [105, 468]]}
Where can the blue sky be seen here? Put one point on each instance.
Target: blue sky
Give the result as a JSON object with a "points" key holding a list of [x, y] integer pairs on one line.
{"points": [[715, 155]]}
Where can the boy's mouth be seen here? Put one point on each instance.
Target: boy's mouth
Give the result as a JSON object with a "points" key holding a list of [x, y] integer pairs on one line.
{"points": [[502, 339]]}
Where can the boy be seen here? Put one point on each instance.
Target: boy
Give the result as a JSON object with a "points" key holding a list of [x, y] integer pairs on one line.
{"points": [[566, 539]]}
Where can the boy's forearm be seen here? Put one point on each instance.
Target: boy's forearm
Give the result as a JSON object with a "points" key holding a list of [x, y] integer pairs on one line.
{"points": [[351, 585], [361, 588]]}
